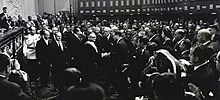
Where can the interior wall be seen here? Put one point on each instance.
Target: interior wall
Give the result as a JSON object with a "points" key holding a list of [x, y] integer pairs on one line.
{"points": [[53, 6], [19, 7], [33, 7], [62, 5]]}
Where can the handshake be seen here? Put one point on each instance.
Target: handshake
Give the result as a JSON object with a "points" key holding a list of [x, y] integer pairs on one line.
{"points": [[106, 54]]}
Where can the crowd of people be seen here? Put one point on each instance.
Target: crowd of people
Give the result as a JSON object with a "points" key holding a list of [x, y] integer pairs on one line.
{"points": [[139, 59]]}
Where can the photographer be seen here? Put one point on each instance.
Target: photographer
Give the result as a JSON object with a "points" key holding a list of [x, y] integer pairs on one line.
{"points": [[9, 90], [19, 76]]}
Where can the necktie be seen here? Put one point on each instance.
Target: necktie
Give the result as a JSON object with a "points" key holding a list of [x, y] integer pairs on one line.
{"points": [[60, 45]]}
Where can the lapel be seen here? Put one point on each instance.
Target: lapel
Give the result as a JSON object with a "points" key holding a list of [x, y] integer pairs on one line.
{"points": [[64, 45]]}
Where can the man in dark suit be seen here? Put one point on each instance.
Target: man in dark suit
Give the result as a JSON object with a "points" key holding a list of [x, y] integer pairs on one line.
{"points": [[216, 88], [91, 58], [43, 52], [203, 72], [75, 42], [4, 19], [105, 47], [120, 59], [9, 90], [120, 52], [59, 58], [179, 38]]}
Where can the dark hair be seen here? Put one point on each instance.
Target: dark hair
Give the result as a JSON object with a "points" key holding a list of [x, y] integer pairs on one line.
{"points": [[144, 39], [4, 62], [187, 43], [182, 33], [168, 86], [86, 91], [75, 29], [118, 33], [168, 34], [71, 76], [4, 8]]}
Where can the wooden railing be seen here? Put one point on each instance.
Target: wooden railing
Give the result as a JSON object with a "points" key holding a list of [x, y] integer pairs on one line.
{"points": [[11, 42]]}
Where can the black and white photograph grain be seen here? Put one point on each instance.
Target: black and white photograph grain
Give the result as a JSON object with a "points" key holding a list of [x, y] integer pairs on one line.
{"points": [[109, 49]]}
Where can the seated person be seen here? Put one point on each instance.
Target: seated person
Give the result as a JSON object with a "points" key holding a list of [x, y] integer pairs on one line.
{"points": [[19, 76], [214, 93], [70, 77], [167, 86], [202, 74], [9, 90], [185, 49], [85, 91]]}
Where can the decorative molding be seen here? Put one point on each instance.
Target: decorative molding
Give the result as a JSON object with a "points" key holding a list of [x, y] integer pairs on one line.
{"points": [[14, 8]]}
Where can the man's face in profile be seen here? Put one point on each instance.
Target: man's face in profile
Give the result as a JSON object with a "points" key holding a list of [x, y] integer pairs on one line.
{"points": [[5, 10]]}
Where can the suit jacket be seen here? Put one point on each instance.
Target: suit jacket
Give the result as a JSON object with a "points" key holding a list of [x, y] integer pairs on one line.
{"points": [[105, 45], [20, 23], [59, 57], [140, 58], [43, 51], [120, 53], [3, 21], [75, 47], [91, 59], [11, 91], [204, 78]]}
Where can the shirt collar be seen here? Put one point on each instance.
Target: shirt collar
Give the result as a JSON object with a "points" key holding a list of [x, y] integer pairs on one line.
{"points": [[93, 45], [119, 39], [206, 42], [3, 76], [46, 40], [108, 37], [58, 42]]}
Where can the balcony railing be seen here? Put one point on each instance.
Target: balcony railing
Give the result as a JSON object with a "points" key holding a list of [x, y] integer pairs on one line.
{"points": [[11, 41]]}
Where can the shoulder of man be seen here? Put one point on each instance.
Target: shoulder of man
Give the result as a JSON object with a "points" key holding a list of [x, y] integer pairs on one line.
{"points": [[16, 90]]}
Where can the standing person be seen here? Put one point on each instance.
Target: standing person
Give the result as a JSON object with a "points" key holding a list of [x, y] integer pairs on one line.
{"points": [[91, 58], [120, 52], [105, 47], [29, 51], [120, 59], [59, 59], [43, 51], [138, 62], [75, 42], [4, 19], [9, 90]]}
